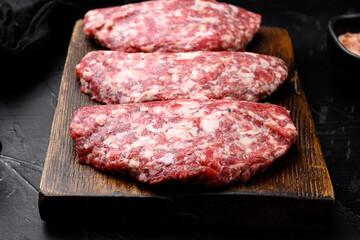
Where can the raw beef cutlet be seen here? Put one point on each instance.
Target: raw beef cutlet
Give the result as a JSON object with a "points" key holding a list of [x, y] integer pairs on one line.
{"points": [[172, 26], [114, 77], [207, 142]]}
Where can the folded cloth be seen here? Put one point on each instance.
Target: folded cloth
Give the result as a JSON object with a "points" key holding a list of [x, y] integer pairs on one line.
{"points": [[25, 25], [31, 30]]}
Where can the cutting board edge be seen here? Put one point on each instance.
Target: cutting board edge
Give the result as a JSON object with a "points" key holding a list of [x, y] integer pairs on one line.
{"points": [[165, 212], [43, 193]]}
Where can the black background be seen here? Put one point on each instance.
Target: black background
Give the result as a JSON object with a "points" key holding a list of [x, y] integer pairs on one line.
{"points": [[34, 36]]}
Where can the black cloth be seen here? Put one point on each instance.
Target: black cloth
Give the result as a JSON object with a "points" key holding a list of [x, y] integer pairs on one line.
{"points": [[30, 30], [27, 25]]}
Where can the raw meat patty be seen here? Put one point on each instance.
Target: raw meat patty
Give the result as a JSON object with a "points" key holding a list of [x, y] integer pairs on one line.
{"points": [[207, 142], [114, 77], [172, 26]]}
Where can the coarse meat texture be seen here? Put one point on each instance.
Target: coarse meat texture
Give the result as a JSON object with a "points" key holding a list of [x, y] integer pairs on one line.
{"points": [[172, 26], [351, 41], [115, 77], [206, 142]]}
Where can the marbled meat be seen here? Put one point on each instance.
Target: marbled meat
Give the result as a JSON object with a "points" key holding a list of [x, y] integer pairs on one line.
{"points": [[172, 26], [115, 77], [207, 142]]}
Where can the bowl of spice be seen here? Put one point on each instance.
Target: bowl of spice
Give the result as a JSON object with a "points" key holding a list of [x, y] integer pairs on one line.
{"points": [[343, 42]]}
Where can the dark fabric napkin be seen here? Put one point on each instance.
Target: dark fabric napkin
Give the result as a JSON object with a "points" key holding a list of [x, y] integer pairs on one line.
{"points": [[31, 29], [25, 25]]}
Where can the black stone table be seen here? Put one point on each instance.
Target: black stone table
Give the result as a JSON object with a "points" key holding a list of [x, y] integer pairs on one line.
{"points": [[28, 96]]}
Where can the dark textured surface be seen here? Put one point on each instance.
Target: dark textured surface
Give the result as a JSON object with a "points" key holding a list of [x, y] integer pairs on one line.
{"points": [[26, 114]]}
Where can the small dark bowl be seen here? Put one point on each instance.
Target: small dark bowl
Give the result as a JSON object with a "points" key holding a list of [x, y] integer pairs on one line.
{"points": [[341, 58]]}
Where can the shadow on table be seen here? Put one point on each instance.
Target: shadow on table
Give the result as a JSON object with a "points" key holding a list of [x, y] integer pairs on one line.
{"points": [[345, 225]]}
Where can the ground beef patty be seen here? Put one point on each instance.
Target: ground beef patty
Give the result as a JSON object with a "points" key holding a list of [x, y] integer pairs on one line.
{"points": [[172, 26], [207, 142], [114, 77]]}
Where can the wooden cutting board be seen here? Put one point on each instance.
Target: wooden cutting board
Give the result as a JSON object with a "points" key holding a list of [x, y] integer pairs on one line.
{"points": [[295, 192]]}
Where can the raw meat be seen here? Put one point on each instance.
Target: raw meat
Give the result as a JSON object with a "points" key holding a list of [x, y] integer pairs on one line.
{"points": [[351, 41], [114, 77], [207, 142], [172, 26]]}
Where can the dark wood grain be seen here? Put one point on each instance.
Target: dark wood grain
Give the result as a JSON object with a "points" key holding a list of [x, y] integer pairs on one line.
{"points": [[295, 192]]}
